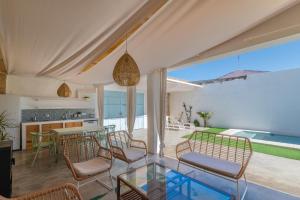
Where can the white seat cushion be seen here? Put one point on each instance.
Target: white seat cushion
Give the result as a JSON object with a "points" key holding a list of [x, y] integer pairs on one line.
{"points": [[91, 167], [223, 167], [133, 154]]}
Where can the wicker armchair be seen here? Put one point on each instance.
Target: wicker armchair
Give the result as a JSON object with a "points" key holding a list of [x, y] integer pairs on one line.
{"points": [[220, 154], [62, 192], [86, 158], [125, 148]]}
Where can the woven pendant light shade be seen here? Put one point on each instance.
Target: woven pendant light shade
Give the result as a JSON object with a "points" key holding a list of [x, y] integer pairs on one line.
{"points": [[126, 71], [64, 90]]}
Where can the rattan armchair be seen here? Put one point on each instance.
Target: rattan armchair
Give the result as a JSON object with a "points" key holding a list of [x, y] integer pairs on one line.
{"points": [[62, 192], [125, 148], [86, 158]]}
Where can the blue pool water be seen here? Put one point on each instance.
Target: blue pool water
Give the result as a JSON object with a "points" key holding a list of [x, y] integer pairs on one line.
{"points": [[269, 137]]}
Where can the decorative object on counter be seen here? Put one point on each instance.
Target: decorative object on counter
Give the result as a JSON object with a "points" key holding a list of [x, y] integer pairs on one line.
{"points": [[205, 116], [3, 75], [64, 90], [188, 112], [126, 71]]}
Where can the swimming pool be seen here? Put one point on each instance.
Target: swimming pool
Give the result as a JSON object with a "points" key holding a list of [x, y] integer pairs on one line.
{"points": [[269, 137]]}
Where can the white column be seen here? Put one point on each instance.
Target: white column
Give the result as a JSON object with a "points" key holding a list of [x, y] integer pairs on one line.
{"points": [[100, 103], [131, 108], [156, 102]]}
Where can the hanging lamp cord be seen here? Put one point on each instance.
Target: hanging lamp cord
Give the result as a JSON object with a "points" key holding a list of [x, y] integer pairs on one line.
{"points": [[126, 42]]}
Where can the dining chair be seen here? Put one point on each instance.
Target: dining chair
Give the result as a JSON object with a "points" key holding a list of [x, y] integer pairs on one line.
{"points": [[86, 159], [125, 148], [42, 141]]}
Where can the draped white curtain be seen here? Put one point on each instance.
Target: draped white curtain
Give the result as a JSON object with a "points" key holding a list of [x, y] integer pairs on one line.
{"points": [[100, 103], [131, 108], [156, 108]]}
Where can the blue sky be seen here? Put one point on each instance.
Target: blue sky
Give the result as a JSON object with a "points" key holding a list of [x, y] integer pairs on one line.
{"points": [[275, 58]]}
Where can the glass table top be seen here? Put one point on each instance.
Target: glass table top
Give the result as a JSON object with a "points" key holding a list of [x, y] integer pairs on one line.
{"points": [[158, 182]]}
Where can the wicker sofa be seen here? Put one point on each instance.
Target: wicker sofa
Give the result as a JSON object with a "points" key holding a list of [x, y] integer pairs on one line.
{"points": [[220, 154]]}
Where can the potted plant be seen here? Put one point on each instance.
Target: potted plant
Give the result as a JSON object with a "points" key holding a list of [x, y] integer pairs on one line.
{"points": [[196, 123], [4, 125], [205, 116]]}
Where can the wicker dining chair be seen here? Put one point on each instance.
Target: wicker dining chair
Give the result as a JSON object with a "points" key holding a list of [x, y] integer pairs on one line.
{"points": [[125, 148], [66, 191], [42, 141], [86, 158]]}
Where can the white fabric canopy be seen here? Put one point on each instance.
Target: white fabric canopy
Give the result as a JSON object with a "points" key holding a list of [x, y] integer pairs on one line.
{"points": [[58, 38], [100, 103], [156, 103], [131, 109]]}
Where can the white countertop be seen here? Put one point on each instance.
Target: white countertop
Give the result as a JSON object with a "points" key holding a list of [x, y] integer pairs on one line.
{"points": [[58, 121]]}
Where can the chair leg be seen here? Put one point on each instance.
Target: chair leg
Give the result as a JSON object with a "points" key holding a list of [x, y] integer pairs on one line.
{"points": [[178, 165], [246, 188], [111, 180], [105, 185], [146, 160], [35, 157], [237, 190]]}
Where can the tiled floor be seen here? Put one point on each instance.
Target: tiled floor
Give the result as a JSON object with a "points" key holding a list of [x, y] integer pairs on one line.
{"points": [[48, 173]]}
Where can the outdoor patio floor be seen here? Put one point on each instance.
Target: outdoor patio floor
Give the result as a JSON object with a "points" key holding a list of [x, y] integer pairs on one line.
{"points": [[279, 173]]}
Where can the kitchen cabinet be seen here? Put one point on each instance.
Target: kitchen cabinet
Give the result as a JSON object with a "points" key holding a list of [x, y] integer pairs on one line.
{"points": [[29, 129], [73, 124], [49, 127]]}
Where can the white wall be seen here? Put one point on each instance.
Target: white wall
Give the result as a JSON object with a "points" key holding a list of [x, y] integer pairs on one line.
{"points": [[37, 92], [39, 86], [269, 101]]}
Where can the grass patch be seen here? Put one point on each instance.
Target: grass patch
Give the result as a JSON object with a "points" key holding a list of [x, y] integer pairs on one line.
{"points": [[284, 152], [276, 151], [216, 130]]}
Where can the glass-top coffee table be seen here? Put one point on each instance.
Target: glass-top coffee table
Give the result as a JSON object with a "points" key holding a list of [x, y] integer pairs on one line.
{"points": [[156, 182]]}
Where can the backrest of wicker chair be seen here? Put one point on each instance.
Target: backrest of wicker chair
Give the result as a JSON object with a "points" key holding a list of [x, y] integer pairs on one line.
{"points": [[80, 148], [226, 147], [119, 139], [62, 192]]}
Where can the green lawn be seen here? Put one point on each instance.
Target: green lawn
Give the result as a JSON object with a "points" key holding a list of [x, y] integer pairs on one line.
{"points": [[216, 130], [262, 148]]}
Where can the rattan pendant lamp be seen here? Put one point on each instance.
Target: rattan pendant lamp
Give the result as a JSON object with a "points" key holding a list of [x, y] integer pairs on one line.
{"points": [[126, 71], [64, 90]]}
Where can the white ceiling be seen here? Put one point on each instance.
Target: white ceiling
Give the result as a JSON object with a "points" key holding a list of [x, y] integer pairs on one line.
{"points": [[36, 36]]}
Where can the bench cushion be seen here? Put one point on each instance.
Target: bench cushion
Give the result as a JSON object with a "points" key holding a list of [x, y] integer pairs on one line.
{"points": [[223, 167], [91, 167]]}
